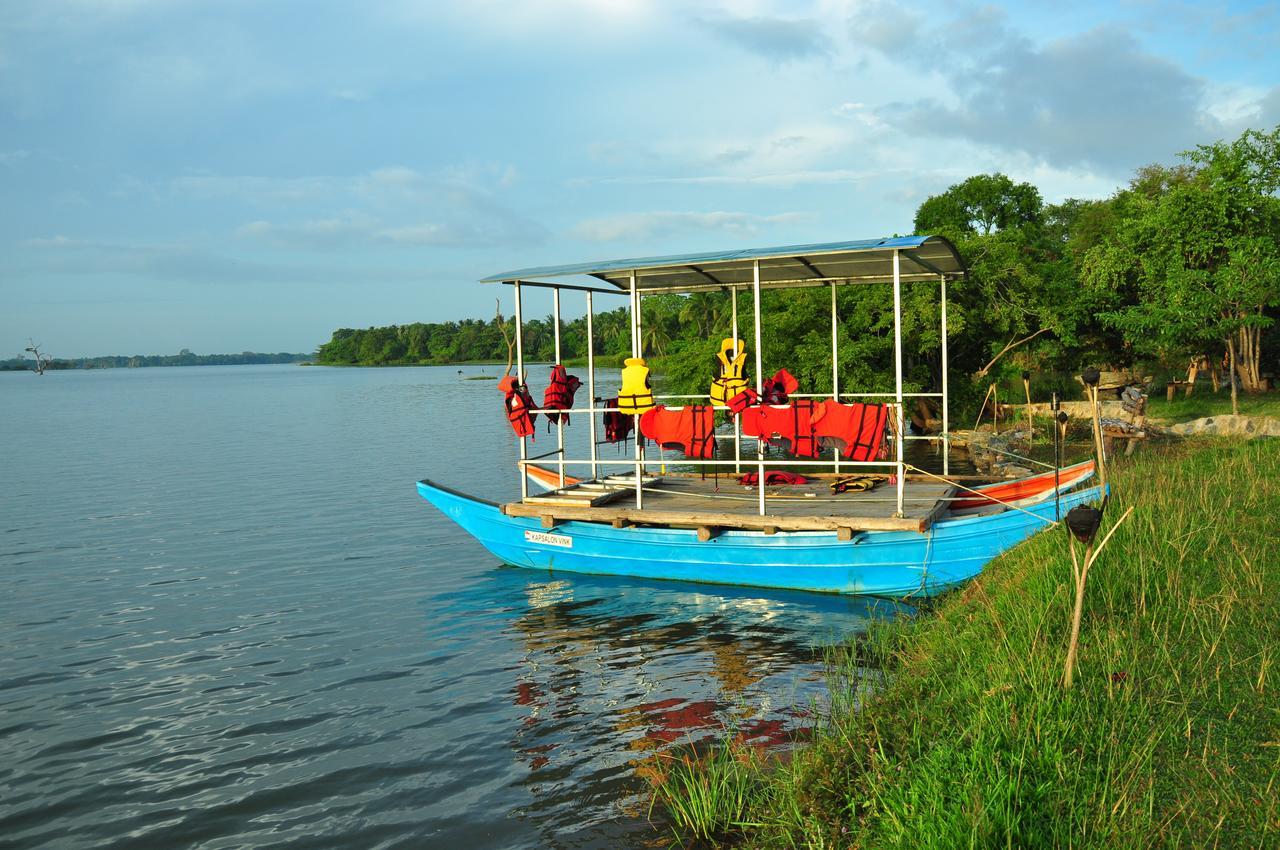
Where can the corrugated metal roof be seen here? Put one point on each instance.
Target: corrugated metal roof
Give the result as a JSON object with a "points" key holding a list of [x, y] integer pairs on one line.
{"points": [[922, 257]]}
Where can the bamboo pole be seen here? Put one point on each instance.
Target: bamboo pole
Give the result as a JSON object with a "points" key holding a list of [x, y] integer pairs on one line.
{"points": [[1081, 575], [983, 407], [1026, 386]]}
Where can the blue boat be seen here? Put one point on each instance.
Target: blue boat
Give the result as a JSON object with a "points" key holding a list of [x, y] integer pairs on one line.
{"points": [[874, 563], [662, 518]]}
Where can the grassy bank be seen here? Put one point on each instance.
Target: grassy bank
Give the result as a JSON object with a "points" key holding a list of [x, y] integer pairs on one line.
{"points": [[1171, 736], [1207, 403]]}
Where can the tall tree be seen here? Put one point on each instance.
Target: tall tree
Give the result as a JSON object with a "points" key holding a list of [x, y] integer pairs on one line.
{"points": [[1019, 285], [1196, 260]]}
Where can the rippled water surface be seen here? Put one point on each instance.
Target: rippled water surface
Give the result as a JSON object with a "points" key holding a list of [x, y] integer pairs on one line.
{"points": [[228, 620]]}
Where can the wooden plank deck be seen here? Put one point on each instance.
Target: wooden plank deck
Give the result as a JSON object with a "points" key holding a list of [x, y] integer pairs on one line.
{"points": [[698, 503]]}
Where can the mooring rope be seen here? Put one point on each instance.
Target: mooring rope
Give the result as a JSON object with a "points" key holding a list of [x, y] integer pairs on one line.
{"points": [[1052, 522]]}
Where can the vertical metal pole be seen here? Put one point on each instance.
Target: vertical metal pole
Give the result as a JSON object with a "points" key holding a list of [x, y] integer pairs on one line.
{"points": [[524, 451], [555, 310], [897, 375], [755, 294], [591, 386], [636, 348], [946, 401], [737, 422], [835, 364]]}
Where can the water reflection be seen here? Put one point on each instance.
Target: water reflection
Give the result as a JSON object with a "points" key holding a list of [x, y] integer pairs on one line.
{"points": [[616, 672]]}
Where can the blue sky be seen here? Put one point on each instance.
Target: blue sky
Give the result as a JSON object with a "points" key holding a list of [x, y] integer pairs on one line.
{"points": [[227, 176]]}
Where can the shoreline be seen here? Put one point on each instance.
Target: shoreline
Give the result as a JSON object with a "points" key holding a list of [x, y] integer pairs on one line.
{"points": [[972, 740]]}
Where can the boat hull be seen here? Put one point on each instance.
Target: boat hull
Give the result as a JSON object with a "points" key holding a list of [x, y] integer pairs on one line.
{"points": [[1024, 491], [876, 563]]}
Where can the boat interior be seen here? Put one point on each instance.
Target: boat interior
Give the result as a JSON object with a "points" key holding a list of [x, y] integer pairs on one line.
{"points": [[719, 501]]}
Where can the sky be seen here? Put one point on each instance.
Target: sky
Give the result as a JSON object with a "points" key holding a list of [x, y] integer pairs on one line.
{"points": [[234, 176]]}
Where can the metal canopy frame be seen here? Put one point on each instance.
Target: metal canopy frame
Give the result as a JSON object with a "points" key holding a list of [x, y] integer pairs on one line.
{"points": [[895, 261]]}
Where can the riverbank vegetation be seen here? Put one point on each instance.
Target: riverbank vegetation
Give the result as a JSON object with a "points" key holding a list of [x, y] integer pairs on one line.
{"points": [[1182, 262], [954, 730], [137, 361]]}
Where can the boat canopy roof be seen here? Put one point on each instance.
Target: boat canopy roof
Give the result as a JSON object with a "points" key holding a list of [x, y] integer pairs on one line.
{"points": [[921, 258]]}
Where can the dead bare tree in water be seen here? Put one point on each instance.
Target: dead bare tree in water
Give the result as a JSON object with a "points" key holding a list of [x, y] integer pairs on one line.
{"points": [[508, 339], [42, 360]]}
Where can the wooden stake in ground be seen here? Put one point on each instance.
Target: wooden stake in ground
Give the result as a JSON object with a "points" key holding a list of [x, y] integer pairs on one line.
{"points": [[995, 409], [1091, 376], [1083, 522], [983, 407], [1026, 386]]}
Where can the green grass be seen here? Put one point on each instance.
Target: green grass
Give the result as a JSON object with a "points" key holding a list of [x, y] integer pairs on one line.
{"points": [[1205, 402], [1170, 737]]}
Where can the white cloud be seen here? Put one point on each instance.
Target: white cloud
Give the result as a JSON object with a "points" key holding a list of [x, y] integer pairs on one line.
{"points": [[1094, 99], [887, 27], [781, 39], [638, 227]]}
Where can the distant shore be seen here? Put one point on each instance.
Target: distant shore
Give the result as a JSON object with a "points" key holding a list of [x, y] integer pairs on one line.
{"points": [[141, 361]]}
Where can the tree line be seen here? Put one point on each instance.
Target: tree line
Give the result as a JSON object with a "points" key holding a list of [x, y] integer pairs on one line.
{"points": [[183, 358], [1183, 261]]}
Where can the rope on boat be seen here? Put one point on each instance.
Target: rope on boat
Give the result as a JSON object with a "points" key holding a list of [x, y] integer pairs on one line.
{"points": [[1052, 522], [990, 448]]}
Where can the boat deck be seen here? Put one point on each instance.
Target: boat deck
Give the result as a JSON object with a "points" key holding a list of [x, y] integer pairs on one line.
{"points": [[694, 502]]}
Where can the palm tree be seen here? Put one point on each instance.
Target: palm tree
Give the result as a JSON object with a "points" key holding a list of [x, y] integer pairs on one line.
{"points": [[654, 333]]}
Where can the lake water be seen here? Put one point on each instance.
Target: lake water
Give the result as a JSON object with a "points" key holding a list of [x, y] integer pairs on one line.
{"points": [[228, 620]]}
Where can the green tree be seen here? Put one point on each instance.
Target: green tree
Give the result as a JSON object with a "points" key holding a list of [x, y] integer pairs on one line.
{"points": [[1195, 259], [1020, 285]]}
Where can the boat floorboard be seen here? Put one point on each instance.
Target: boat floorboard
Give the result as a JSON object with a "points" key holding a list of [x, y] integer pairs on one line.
{"points": [[698, 503]]}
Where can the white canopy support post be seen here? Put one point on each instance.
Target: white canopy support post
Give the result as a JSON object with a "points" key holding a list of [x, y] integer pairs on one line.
{"points": [[946, 402], [737, 422], [591, 386], [835, 364], [897, 377], [636, 349], [524, 449], [755, 294], [555, 310]]}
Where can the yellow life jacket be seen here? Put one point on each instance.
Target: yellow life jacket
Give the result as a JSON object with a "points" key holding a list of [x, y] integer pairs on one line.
{"points": [[733, 357], [636, 396]]}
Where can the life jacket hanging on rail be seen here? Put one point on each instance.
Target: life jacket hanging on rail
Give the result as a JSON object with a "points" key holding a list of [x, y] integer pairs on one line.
{"points": [[733, 358], [617, 426], [792, 424], [636, 396], [778, 389], [518, 404], [692, 429], [858, 430], [559, 394]]}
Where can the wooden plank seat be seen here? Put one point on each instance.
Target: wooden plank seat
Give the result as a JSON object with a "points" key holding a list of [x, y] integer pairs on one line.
{"points": [[695, 503]]}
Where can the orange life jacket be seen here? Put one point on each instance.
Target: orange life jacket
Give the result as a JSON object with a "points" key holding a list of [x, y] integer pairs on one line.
{"points": [[691, 428], [559, 394], [518, 404], [793, 423], [857, 429]]}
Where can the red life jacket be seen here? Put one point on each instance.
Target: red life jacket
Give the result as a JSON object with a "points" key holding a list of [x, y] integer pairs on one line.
{"points": [[743, 400], [778, 389], [858, 429], [617, 426], [793, 423], [518, 404], [691, 428], [772, 476], [559, 394]]}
